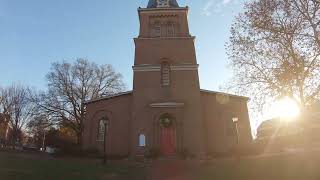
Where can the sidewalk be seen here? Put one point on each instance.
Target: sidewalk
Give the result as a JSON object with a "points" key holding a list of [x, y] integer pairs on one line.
{"points": [[173, 169]]}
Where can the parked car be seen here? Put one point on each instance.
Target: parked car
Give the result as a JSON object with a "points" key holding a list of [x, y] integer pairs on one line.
{"points": [[30, 148], [51, 150]]}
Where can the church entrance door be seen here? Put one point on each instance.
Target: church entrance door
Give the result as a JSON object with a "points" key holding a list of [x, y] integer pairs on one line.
{"points": [[168, 138], [168, 141]]}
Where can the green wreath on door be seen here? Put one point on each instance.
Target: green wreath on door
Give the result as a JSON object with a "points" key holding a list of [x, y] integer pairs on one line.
{"points": [[166, 121]]}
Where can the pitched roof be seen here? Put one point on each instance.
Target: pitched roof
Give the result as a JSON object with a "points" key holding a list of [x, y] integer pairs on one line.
{"points": [[130, 92], [108, 97], [153, 4], [231, 95]]}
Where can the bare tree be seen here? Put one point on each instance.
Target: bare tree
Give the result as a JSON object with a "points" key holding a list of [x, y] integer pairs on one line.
{"points": [[38, 127], [274, 50], [70, 85], [5, 110], [17, 108]]}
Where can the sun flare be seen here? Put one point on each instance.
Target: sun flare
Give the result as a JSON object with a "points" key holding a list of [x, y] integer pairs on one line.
{"points": [[287, 108]]}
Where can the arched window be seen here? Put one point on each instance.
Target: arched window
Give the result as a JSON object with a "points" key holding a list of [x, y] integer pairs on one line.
{"points": [[165, 74], [163, 29], [103, 126], [142, 140], [170, 30], [156, 30]]}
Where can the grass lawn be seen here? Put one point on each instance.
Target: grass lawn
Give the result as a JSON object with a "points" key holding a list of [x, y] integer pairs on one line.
{"points": [[17, 166], [298, 166], [301, 166]]}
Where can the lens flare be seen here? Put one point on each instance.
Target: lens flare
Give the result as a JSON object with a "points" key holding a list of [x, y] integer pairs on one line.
{"points": [[287, 108]]}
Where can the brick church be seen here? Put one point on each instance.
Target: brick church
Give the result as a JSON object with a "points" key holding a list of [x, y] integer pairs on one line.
{"points": [[166, 110]]}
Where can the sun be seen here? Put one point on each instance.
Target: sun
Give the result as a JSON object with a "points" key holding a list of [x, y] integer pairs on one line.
{"points": [[286, 108]]}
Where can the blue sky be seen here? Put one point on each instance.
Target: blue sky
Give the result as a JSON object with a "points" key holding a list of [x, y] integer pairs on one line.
{"points": [[35, 33]]}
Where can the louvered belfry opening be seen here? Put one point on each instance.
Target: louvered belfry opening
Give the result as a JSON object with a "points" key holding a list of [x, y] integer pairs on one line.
{"points": [[165, 74]]}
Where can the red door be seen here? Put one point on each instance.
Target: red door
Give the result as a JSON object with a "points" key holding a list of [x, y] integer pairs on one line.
{"points": [[168, 141]]}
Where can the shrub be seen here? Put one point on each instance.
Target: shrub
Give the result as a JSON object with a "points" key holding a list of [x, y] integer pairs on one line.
{"points": [[152, 153], [185, 153]]}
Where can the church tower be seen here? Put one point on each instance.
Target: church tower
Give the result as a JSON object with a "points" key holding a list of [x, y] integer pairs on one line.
{"points": [[166, 112], [166, 104]]}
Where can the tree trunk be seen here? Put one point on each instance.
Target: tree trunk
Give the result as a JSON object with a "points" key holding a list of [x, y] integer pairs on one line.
{"points": [[79, 139]]}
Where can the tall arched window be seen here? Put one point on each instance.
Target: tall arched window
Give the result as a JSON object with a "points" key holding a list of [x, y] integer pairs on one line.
{"points": [[170, 30], [163, 29], [156, 30], [102, 127], [165, 74]]}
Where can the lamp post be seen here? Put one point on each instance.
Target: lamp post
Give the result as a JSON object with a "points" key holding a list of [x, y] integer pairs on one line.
{"points": [[235, 120], [105, 123], [43, 141]]}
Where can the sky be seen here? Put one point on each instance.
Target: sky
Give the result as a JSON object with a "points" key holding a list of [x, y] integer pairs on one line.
{"points": [[36, 33]]}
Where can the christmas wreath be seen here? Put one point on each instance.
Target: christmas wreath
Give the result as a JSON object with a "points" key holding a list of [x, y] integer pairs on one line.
{"points": [[166, 122]]}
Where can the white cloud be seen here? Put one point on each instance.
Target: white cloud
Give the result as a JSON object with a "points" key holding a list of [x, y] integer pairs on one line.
{"points": [[226, 2], [216, 6], [207, 8]]}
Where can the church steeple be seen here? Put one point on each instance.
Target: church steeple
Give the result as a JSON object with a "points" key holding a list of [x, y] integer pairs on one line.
{"points": [[162, 4]]}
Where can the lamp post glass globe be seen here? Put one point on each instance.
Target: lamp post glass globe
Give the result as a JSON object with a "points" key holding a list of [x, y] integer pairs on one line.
{"points": [[235, 119]]}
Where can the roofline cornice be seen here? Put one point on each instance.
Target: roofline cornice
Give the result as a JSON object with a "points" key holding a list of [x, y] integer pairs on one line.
{"points": [[108, 97], [170, 9], [226, 94], [164, 38]]}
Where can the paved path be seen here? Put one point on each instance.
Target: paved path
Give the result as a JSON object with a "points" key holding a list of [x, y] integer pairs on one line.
{"points": [[173, 169]]}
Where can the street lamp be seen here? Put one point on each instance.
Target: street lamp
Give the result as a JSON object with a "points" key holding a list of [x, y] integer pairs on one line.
{"points": [[235, 120], [43, 141], [105, 123]]}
